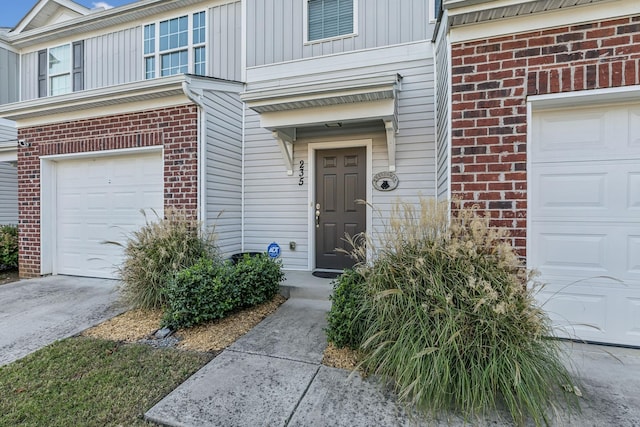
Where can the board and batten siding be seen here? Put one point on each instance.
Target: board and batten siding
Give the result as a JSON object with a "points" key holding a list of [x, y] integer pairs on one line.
{"points": [[225, 41], [275, 29], [9, 69], [276, 207], [442, 113], [223, 186], [116, 58], [113, 59]]}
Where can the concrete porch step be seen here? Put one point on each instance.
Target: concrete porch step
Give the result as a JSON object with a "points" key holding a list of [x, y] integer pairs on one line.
{"points": [[302, 284]]}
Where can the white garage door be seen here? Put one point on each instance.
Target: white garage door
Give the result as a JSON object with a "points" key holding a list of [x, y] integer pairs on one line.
{"points": [[584, 234], [99, 200]]}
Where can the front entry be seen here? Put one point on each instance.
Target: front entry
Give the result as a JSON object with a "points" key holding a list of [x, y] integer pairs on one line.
{"points": [[340, 181]]}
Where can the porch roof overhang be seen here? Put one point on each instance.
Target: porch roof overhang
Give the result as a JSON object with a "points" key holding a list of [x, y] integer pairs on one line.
{"points": [[86, 100], [326, 103]]}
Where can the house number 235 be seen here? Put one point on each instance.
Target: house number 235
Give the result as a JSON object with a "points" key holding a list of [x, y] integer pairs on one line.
{"points": [[301, 173]]}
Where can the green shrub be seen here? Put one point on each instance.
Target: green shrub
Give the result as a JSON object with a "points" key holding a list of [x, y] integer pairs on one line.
{"points": [[8, 246], [257, 278], [155, 252], [451, 321], [200, 293], [345, 322], [209, 291]]}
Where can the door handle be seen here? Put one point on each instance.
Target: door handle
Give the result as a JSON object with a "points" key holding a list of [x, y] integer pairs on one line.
{"points": [[318, 215]]}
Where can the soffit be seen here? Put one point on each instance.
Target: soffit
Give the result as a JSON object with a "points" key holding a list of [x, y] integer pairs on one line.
{"points": [[323, 93], [463, 12]]}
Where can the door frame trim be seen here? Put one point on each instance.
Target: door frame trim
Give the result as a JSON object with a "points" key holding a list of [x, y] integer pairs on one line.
{"points": [[311, 196]]}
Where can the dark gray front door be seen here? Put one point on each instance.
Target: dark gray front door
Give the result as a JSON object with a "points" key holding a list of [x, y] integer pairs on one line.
{"points": [[340, 181]]}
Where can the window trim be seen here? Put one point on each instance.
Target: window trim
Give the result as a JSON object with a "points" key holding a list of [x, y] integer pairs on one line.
{"points": [[305, 26], [190, 47], [75, 69]]}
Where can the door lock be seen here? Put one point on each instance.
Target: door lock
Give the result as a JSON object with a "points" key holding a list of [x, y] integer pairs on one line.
{"points": [[317, 215]]}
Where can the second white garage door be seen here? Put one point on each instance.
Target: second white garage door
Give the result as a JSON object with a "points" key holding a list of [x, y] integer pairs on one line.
{"points": [[98, 200], [584, 210]]}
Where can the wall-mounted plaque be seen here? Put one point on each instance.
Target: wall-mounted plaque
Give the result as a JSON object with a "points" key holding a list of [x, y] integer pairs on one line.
{"points": [[385, 181]]}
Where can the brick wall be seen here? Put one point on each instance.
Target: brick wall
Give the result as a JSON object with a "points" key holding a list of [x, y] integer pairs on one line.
{"points": [[176, 128], [491, 80]]}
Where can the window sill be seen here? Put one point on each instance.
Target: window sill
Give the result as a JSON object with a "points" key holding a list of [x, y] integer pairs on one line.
{"points": [[330, 39]]}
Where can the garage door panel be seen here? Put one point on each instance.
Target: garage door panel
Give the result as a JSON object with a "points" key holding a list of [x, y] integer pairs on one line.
{"points": [[607, 189], [575, 313], [573, 249], [608, 132], [589, 132], [100, 200]]}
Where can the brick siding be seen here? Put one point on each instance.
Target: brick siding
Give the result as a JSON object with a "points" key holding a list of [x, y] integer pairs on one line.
{"points": [[491, 80], [176, 128]]}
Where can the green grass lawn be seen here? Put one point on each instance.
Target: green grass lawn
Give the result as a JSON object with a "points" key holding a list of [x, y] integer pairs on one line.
{"points": [[90, 382]]}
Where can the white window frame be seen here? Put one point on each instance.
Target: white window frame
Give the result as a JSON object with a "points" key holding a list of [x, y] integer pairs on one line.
{"points": [[68, 72], [190, 47], [305, 26]]}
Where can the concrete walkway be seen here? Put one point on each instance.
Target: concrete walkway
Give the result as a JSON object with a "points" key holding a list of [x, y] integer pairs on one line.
{"points": [[273, 377], [36, 312]]}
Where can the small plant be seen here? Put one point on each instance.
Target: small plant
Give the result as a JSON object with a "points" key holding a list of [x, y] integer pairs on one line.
{"points": [[209, 291], [155, 252], [257, 278], [200, 293], [8, 246], [451, 321], [345, 319]]}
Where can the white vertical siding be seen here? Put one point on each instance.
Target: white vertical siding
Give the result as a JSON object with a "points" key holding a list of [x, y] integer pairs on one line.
{"points": [[225, 41], [9, 76], [8, 193], [223, 139], [275, 29], [114, 58], [442, 113], [276, 207], [29, 76]]}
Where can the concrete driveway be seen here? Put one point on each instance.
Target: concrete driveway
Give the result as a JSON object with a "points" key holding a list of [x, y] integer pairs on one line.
{"points": [[37, 312]]}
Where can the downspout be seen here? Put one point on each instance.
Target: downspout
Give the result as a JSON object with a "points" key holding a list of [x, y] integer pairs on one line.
{"points": [[201, 184], [242, 206]]}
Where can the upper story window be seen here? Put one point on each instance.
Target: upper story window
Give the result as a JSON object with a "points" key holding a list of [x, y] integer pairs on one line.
{"points": [[176, 46], [61, 69], [330, 18]]}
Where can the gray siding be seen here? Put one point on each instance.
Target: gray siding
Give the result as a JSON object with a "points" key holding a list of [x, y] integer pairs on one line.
{"points": [[8, 194], [225, 41], [114, 58], [224, 168], [29, 76], [276, 207], [9, 70], [442, 113], [275, 29], [117, 57]]}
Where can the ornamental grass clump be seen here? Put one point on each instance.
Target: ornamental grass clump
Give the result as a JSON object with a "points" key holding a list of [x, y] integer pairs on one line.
{"points": [[157, 251], [451, 321]]}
